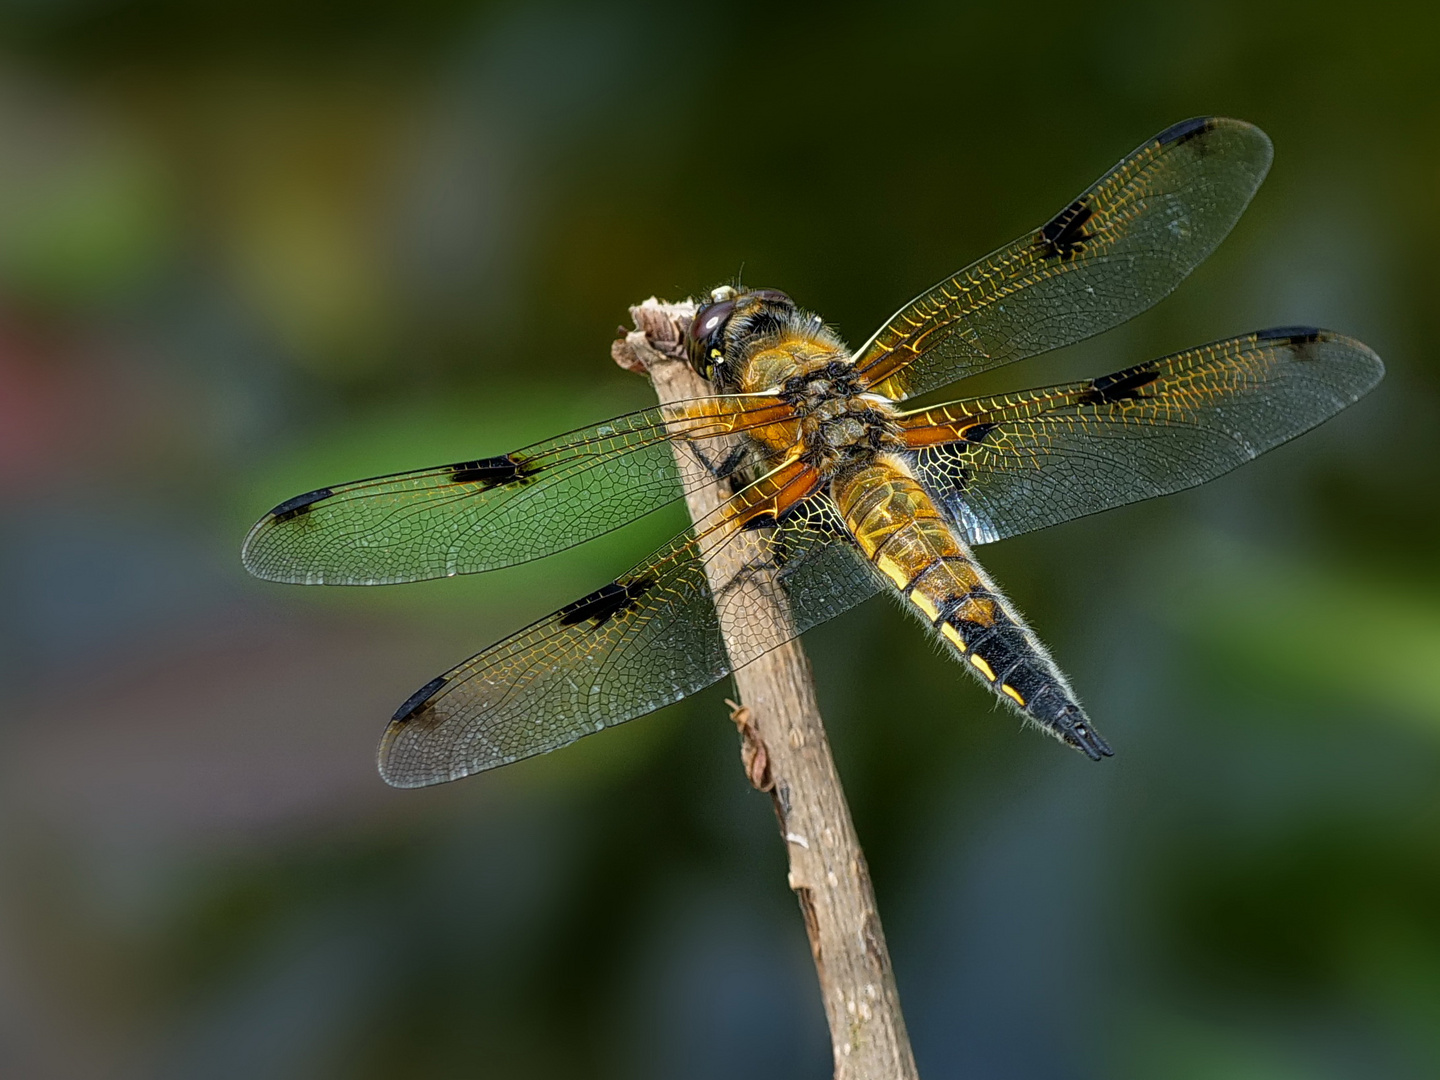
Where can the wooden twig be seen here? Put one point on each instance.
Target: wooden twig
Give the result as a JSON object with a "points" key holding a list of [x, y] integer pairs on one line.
{"points": [[785, 752]]}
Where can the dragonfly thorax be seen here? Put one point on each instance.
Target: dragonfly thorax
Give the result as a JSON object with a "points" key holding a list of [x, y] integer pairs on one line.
{"points": [[841, 426], [758, 341]]}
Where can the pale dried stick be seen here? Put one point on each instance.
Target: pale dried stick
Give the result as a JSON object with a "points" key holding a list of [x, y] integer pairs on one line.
{"points": [[786, 753]]}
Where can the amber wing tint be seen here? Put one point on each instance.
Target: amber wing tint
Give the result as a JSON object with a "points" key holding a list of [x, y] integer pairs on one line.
{"points": [[1110, 254], [1005, 465]]}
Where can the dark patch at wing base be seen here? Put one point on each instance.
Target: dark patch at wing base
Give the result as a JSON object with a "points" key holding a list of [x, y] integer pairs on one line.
{"points": [[492, 472], [976, 433], [1122, 386], [605, 603], [945, 464], [1065, 234], [417, 701], [765, 520], [300, 504], [1186, 130]]}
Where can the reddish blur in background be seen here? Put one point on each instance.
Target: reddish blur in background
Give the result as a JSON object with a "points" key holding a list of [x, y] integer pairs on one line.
{"points": [[251, 248]]}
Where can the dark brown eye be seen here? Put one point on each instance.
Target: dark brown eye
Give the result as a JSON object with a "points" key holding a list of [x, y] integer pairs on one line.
{"points": [[707, 335], [710, 320]]}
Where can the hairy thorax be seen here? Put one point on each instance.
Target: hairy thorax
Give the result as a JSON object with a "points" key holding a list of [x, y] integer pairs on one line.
{"points": [[840, 427]]}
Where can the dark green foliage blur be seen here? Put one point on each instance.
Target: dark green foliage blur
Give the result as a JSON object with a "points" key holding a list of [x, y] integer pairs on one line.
{"points": [[251, 248]]}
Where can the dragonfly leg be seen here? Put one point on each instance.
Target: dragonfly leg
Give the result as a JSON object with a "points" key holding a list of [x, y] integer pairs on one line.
{"points": [[726, 467]]}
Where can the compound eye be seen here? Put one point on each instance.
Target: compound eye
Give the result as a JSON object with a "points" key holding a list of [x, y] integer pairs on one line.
{"points": [[710, 321], [707, 336]]}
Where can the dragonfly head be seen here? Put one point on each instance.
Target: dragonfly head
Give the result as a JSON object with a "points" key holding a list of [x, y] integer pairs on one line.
{"points": [[732, 315]]}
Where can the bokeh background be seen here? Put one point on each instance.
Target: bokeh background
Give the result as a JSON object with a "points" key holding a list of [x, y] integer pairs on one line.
{"points": [[248, 248]]}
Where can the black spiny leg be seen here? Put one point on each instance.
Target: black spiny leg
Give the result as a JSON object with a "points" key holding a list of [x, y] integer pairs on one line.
{"points": [[725, 468]]}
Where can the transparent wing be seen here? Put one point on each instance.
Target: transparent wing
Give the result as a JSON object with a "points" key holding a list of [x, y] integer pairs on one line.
{"points": [[493, 512], [647, 639], [1010, 464], [1112, 253]]}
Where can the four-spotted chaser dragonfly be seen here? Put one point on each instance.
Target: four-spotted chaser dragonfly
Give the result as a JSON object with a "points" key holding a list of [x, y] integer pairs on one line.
{"points": [[845, 491]]}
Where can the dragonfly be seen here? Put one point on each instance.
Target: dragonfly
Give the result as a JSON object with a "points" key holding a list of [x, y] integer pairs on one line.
{"points": [[839, 489]]}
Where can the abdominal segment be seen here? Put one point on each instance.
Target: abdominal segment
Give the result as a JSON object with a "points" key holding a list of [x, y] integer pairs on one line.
{"points": [[912, 544]]}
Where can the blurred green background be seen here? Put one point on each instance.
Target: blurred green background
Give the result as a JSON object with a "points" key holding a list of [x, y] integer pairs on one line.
{"points": [[250, 248]]}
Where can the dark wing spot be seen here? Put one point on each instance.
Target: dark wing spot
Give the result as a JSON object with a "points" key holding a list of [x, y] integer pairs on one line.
{"points": [[763, 520], [1291, 335], [491, 472], [944, 463], [1186, 130], [1065, 234], [300, 504], [768, 519], [418, 700], [1122, 386], [605, 603], [975, 433]]}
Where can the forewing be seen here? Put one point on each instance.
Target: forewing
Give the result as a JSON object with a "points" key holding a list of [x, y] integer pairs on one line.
{"points": [[1006, 465], [494, 512], [1113, 252], [646, 640]]}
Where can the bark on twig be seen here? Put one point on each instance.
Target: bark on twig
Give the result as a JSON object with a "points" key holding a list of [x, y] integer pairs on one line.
{"points": [[785, 752]]}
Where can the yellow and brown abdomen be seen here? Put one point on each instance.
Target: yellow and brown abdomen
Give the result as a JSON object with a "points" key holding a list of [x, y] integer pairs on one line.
{"points": [[914, 546]]}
